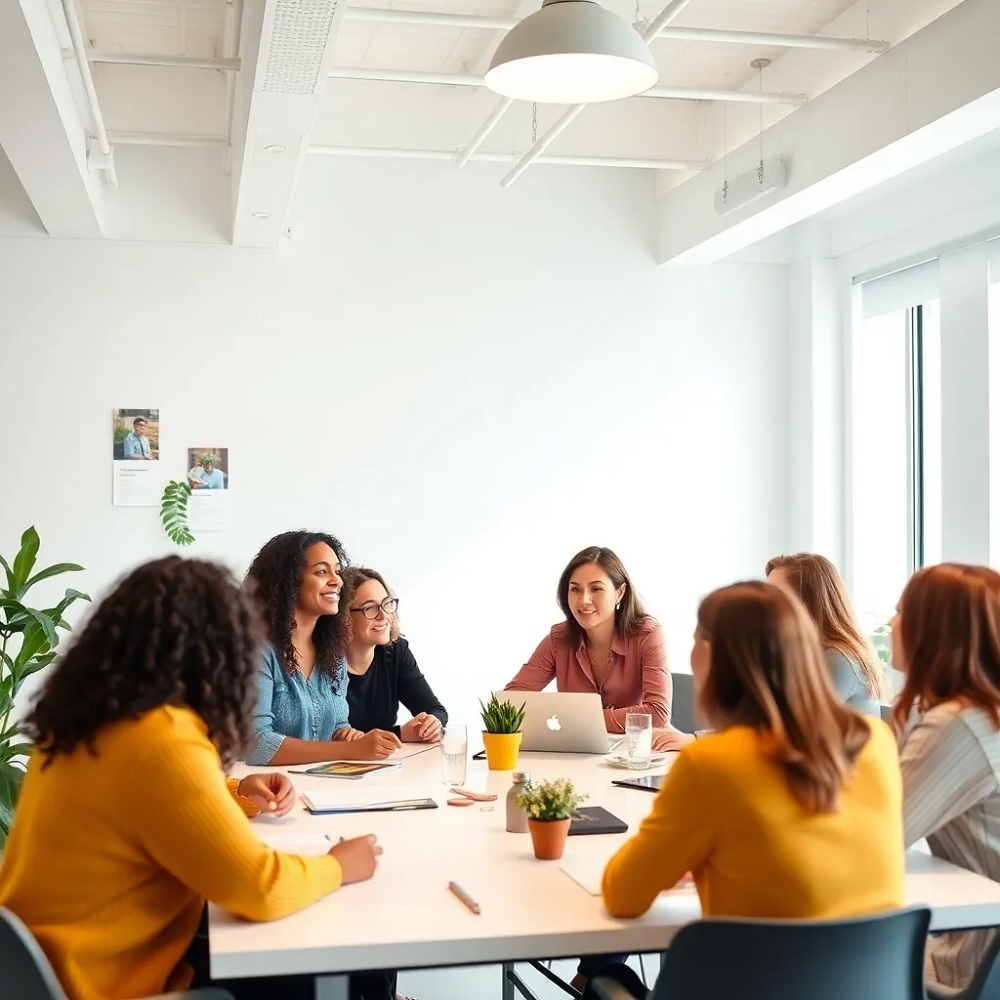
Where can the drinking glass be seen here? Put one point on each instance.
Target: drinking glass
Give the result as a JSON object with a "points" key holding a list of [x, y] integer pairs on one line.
{"points": [[638, 740], [454, 755]]}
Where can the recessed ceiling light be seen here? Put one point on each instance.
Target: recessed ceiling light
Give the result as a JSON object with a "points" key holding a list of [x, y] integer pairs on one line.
{"points": [[260, 215], [274, 148]]}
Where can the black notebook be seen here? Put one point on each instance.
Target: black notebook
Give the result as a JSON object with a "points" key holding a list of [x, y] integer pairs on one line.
{"points": [[595, 819]]}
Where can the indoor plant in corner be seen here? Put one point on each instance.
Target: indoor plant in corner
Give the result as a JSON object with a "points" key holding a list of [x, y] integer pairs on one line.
{"points": [[501, 733], [28, 639], [550, 806]]}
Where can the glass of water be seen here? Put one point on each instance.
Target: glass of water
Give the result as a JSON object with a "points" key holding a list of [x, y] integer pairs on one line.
{"points": [[454, 755], [638, 740]]}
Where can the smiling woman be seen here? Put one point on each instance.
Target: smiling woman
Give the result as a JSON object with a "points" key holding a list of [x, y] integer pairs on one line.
{"points": [[382, 670], [301, 715], [608, 643]]}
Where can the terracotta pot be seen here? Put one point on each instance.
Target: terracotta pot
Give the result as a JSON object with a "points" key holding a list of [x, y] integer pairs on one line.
{"points": [[548, 837], [501, 750]]}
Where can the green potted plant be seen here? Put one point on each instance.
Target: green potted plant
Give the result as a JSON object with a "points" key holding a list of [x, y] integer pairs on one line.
{"points": [[28, 639], [550, 806], [501, 733]]}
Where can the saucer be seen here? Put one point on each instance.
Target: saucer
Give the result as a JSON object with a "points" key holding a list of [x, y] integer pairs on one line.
{"points": [[620, 760]]}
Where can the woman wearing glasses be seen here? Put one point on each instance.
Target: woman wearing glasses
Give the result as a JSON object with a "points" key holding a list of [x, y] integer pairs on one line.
{"points": [[381, 669]]}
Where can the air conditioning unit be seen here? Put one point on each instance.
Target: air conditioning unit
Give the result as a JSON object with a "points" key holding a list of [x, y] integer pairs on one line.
{"points": [[767, 176]]}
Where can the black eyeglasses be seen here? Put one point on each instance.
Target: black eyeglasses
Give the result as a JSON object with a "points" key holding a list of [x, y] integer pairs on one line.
{"points": [[371, 609]]}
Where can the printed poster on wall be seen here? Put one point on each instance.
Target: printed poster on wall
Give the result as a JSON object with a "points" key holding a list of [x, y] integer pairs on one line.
{"points": [[136, 477], [209, 507]]}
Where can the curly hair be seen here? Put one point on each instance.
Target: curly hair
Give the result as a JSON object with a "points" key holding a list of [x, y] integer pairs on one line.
{"points": [[276, 575], [172, 632], [354, 578]]}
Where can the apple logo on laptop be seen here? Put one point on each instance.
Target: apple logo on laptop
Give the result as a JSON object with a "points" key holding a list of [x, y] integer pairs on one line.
{"points": [[553, 724]]}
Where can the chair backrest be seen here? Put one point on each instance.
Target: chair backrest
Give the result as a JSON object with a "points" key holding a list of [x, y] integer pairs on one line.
{"points": [[26, 973], [868, 958], [682, 714]]}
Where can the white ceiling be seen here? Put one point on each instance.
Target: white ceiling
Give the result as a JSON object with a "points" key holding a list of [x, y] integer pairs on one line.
{"points": [[199, 28], [231, 106]]}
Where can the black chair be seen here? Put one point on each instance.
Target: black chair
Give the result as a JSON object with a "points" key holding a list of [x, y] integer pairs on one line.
{"points": [[867, 958], [27, 975], [984, 985]]}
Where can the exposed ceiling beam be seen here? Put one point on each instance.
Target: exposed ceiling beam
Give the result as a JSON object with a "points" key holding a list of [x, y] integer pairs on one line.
{"points": [[778, 40], [151, 59], [41, 130], [471, 80], [401, 153], [286, 54]]}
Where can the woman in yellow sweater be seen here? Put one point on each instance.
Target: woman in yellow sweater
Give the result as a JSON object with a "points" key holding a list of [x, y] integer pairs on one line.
{"points": [[126, 823], [792, 808]]}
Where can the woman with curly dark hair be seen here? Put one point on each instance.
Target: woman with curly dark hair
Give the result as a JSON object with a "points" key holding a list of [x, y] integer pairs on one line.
{"points": [[302, 714], [126, 823]]}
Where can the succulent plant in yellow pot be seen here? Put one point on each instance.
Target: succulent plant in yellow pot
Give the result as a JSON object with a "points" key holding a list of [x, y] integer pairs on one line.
{"points": [[501, 733]]}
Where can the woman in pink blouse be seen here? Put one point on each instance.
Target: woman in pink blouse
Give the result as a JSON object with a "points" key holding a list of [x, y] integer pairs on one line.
{"points": [[608, 643]]}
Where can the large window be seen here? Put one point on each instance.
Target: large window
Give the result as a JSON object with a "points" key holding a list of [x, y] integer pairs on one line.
{"points": [[895, 441]]}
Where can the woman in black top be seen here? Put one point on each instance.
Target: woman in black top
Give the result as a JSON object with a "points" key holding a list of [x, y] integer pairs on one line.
{"points": [[381, 670]]}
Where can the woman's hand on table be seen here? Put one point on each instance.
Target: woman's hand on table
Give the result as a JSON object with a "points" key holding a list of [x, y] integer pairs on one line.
{"points": [[358, 858], [273, 793], [422, 728], [665, 740]]}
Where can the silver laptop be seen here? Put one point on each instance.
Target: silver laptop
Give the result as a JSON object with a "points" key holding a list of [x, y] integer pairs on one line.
{"points": [[561, 722]]}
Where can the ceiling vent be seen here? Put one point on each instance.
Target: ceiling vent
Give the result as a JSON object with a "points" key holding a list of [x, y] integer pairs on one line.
{"points": [[296, 49]]}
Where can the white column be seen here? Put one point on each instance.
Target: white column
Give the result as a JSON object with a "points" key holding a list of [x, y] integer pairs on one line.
{"points": [[816, 411], [965, 406]]}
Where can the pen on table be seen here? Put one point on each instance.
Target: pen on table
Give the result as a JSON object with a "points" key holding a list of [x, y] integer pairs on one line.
{"points": [[464, 897]]}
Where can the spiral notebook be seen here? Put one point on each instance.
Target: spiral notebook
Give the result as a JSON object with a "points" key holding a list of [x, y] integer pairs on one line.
{"points": [[318, 802]]}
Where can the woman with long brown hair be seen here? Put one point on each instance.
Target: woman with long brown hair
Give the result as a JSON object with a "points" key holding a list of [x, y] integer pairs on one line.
{"points": [[854, 666], [608, 643], [946, 640], [792, 807]]}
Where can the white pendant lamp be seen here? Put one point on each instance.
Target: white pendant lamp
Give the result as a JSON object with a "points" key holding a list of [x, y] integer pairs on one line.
{"points": [[571, 52]]}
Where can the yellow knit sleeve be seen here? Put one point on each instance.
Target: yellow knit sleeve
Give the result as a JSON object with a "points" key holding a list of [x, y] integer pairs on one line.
{"points": [[249, 807], [675, 838], [185, 814]]}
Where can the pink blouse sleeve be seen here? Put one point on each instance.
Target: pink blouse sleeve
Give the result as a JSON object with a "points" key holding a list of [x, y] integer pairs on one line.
{"points": [[538, 671], [657, 687]]}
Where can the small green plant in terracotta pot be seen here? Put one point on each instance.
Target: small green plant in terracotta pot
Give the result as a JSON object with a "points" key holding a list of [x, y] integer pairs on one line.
{"points": [[501, 733], [550, 806]]}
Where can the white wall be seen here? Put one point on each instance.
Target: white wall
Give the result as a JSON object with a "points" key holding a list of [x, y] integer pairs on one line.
{"points": [[466, 385]]}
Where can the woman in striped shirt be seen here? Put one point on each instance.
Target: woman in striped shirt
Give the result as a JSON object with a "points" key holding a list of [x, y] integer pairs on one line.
{"points": [[946, 639]]}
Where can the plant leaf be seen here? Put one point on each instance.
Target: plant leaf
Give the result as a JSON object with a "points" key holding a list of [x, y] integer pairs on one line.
{"points": [[45, 624], [10, 786], [10, 575], [53, 570], [25, 560], [15, 750]]}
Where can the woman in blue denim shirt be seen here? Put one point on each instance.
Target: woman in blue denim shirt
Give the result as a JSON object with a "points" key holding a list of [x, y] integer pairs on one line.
{"points": [[301, 714]]}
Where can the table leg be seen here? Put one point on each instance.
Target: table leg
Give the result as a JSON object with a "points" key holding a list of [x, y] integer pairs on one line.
{"points": [[331, 988], [507, 992]]}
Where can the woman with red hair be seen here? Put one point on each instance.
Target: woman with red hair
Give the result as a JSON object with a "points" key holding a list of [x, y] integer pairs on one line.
{"points": [[946, 640]]}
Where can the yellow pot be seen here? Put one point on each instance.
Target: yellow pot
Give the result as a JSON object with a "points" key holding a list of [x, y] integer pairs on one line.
{"points": [[501, 750]]}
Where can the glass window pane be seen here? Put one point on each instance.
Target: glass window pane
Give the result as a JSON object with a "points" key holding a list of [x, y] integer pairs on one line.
{"points": [[994, 363], [931, 408], [880, 465]]}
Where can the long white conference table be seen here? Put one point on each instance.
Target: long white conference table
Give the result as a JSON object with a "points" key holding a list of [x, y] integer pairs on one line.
{"points": [[406, 918]]}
